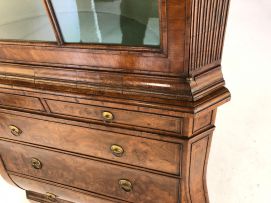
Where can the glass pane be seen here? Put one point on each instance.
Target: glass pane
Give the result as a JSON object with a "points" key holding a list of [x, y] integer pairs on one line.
{"points": [[127, 22], [24, 20]]}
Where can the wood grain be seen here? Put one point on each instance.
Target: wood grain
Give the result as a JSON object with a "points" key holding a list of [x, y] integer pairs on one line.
{"points": [[19, 101], [90, 175], [202, 121], [147, 153], [120, 116], [198, 157], [163, 99], [63, 193], [5, 175]]}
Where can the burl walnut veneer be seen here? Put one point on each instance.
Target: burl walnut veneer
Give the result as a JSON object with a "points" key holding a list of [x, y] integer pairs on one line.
{"points": [[106, 101]]}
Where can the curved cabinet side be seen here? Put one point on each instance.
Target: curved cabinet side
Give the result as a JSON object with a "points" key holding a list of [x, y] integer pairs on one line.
{"points": [[4, 174], [197, 181], [194, 187]]}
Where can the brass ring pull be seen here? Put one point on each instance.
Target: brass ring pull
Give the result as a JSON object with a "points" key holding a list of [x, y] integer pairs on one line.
{"points": [[117, 150], [107, 116], [126, 185], [51, 197], [36, 164], [15, 130]]}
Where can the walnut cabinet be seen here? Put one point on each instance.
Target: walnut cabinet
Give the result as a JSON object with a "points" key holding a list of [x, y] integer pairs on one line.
{"points": [[106, 101]]}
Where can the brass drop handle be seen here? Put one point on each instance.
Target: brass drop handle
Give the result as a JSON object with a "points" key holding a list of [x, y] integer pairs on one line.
{"points": [[15, 130], [51, 197], [117, 150], [107, 116], [36, 164], [126, 185]]}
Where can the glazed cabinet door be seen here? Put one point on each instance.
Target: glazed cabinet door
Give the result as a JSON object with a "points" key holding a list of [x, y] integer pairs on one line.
{"points": [[122, 22]]}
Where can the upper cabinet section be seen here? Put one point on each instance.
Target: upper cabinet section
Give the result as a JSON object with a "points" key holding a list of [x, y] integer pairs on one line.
{"points": [[180, 38], [140, 36], [121, 22], [24, 20]]}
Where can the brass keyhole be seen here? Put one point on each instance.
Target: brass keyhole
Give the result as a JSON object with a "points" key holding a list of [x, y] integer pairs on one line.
{"points": [[36, 164], [15, 130], [107, 116], [117, 150], [126, 185], [51, 197]]}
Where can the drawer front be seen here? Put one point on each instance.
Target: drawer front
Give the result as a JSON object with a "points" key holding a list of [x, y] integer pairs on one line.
{"points": [[131, 118], [22, 102], [111, 180], [61, 192], [152, 154]]}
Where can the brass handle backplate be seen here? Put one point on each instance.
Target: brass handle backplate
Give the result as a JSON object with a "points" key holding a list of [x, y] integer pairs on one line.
{"points": [[117, 150], [126, 185], [15, 130], [107, 116], [51, 197], [36, 164]]}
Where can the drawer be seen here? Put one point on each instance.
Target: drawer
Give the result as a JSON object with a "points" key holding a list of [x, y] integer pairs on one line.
{"points": [[110, 180], [61, 192], [124, 117], [138, 151], [22, 102]]}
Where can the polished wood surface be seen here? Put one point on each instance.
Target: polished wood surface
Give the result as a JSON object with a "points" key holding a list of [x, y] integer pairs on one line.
{"points": [[89, 123], [147, 153], [119, 116], [89, 175], [5, 175], [20, 101], [111, 84]]}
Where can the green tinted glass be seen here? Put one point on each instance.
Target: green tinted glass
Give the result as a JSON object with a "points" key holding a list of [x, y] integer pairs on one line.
{"points": [[125, 22], [24, 20]]}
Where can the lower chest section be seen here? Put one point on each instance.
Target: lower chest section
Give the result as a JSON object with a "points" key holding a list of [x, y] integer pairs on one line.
{"points": [[101, 152], [64, 162]]}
